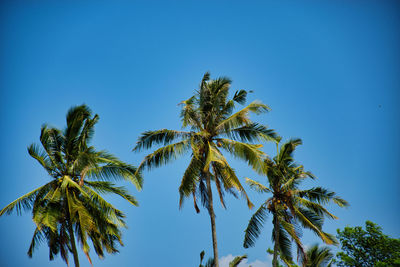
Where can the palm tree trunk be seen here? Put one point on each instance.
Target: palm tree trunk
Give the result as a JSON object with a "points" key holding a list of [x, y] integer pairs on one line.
{"points": [[212, 217], [276, 234], [71, 234], [73, 245]]}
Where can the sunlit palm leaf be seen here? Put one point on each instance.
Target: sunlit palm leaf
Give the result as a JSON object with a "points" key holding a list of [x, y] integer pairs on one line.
{"points": [[189, 179], [241, 117], [237, 260], [252, 132], [247, 152], [108, 187], [257, 186], [25, 202]]}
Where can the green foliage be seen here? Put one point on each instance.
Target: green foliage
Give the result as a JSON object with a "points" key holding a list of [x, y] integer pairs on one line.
{"points": [[210, 262], [209, 115], [318, 256], [369, 247], [291, 207], [71, 204], [213, 128]]}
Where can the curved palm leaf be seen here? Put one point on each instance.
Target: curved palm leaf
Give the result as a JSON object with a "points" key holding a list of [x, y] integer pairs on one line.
{"points": [[70, 206], [291, 206], [253, 229], [208, 113]]}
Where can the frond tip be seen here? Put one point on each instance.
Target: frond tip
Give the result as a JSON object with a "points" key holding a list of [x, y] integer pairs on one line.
{"points": [[253, 229]]}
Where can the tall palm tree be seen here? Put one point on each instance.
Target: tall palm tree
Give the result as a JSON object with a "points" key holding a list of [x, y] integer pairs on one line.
{"points": [[291, 207], [70, 205], [213, 128]]}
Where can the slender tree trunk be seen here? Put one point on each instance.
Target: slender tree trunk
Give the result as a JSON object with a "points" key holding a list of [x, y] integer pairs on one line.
{"points": [[276, 234], [71, 234], [212, 217], [73, 245]]}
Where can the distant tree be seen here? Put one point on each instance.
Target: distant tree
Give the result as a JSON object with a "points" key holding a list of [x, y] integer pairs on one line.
{"points": [[213, 128], [316, 257], [291, 207], [369, 247], [70, 205], [211, 263]]}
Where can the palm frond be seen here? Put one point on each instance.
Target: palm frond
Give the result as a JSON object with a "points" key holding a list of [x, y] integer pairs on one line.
{"points": [[53, 143], [252, 132], [87, 131], [241, 117], [240, 96], [237, 260], [213, 155], [291, 231], [115, 215], [78, 212], [257, 186], [189, 179], [230, 180], [313, 223], [37, 153], [248, 152], [323, 196], [284, 244], [205, 202], [37, 238], [76, 117], [48, 216], [253, 229], [189, 114], [117, 172], [217, 177], [108, 187], [25, 202], [318, 256], [316, 208], [287, 149], [164, 137], [164, 155]]}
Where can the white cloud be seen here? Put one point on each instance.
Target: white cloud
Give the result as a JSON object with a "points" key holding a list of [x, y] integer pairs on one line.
{"points": [[225, 260]]}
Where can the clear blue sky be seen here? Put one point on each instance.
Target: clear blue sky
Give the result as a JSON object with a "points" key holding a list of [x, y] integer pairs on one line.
{"points": [[329, 70]]}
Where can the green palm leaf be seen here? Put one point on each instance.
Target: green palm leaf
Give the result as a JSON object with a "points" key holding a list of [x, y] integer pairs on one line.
{"points": [[208, 114], [25, 202], [252, 132], [247, 152], [68, 207], [164, 137], [241, 117], [253, 229], [164, 155], [292, 208]]}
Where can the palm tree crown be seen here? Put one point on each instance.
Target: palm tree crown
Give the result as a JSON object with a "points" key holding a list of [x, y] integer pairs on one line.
{"points": [[71, 203], [291, 207], [318, 256], [213, 128]]}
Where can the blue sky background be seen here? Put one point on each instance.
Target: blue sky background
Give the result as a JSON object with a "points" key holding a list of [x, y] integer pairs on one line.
{"points": [[329, 70]]}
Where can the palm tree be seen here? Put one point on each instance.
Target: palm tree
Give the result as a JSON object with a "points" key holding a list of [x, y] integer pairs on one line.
{"points": [[291, 207], [318, 256], [213, 127], [71, 205]]}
